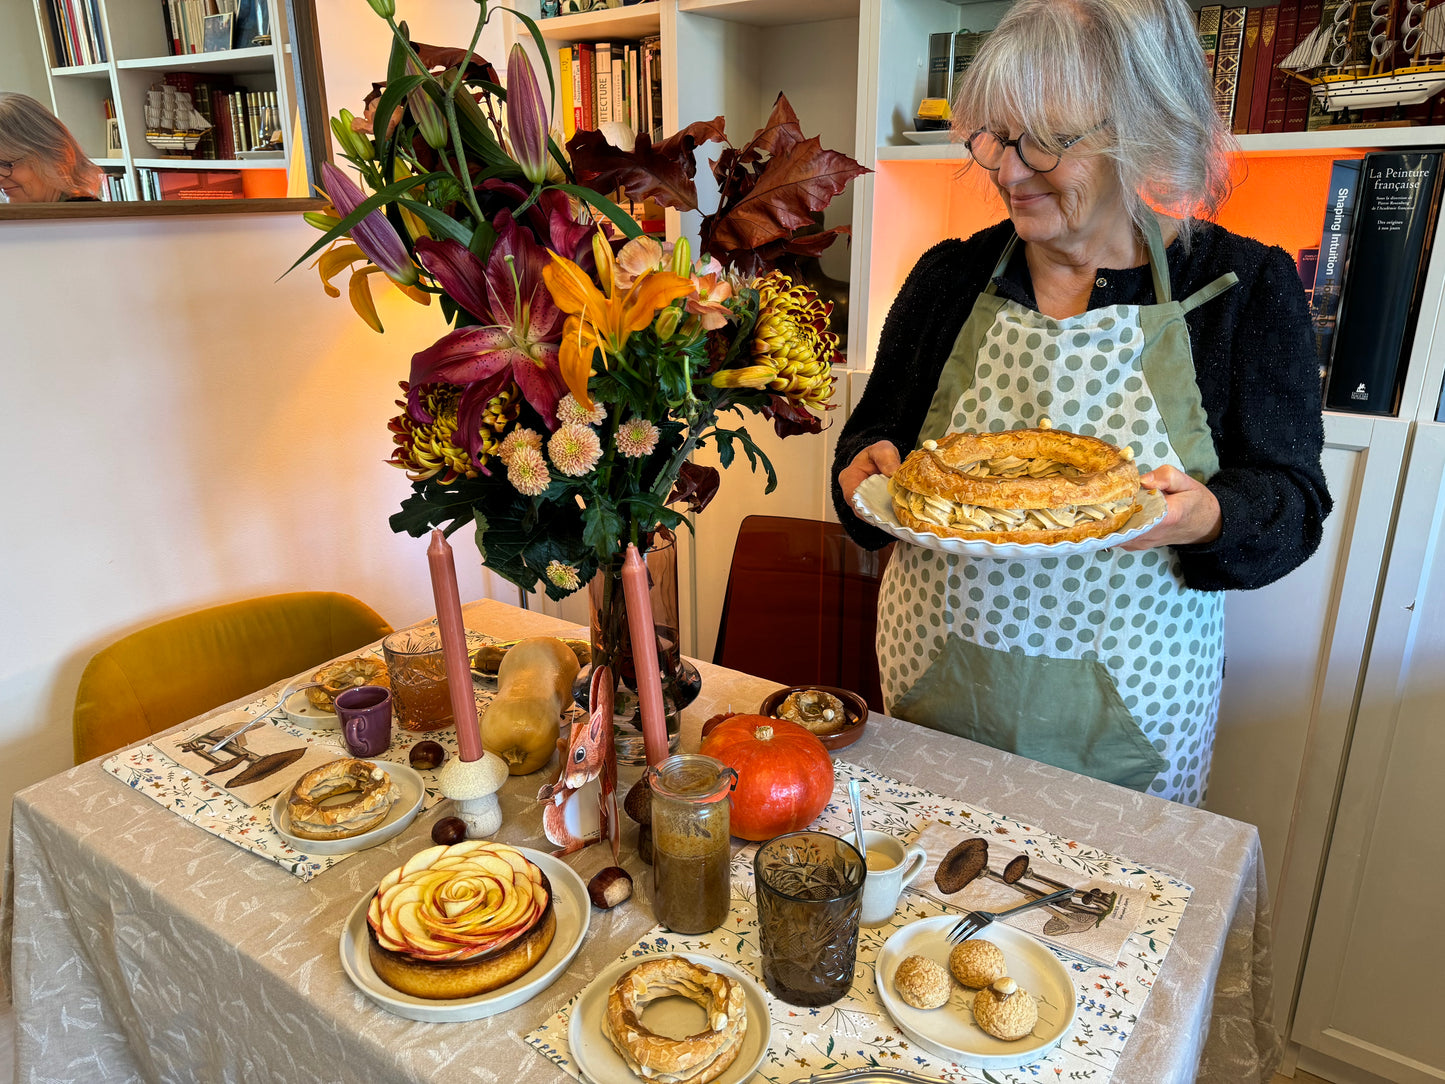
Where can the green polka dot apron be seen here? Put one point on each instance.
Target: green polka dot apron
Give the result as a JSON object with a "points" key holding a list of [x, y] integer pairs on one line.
{"points": [[1102, 663]]}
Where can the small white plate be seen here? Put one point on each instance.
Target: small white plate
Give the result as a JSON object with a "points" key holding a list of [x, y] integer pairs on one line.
{"points": [[413, 793], [574, 913], [932, 139], [949, 1031], [303, 713], [873, 503], [599, 1062]]}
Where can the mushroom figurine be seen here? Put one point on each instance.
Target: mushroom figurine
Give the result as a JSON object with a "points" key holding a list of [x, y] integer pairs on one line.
{"points": [[473, 786]]}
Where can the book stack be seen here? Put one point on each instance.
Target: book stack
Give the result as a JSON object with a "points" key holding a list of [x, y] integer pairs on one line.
{"points": [[174, 184], [76, 37], [603, 82], [187, 23]]}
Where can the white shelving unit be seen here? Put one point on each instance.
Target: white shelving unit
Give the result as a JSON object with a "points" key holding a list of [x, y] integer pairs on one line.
{"points": [[136, 45]]}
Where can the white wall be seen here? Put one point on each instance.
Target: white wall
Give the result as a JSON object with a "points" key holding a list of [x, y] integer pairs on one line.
{"points": [[185, 430]]}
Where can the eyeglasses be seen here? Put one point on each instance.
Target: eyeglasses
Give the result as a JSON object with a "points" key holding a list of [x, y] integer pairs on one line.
{"points": [[988, 149], [6, 168]]}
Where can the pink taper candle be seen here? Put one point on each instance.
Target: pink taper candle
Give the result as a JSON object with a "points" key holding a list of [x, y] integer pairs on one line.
{"points": [[644, 656], [454, 646]]}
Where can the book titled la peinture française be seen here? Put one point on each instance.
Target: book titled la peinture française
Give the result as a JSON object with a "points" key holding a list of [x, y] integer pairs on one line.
{"points": [[1388, 252]]}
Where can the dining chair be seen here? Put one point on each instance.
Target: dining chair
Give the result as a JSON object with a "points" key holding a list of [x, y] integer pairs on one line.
{"points": [[801, 606], [174, 670]]}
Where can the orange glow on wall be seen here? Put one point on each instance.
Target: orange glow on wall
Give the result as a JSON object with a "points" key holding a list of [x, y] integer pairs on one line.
{"points": [[1279, 199]]}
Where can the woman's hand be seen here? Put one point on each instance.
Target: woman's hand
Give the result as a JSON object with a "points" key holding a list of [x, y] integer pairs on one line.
{"points": [[880, 458], [1192, 514]]}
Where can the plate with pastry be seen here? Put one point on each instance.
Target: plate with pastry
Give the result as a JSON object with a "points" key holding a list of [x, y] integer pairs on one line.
{"points": [[836, 715], [996, 1001], [301, 712], [683, 1017], [348, 805], [1026, 493], [465, 931]]}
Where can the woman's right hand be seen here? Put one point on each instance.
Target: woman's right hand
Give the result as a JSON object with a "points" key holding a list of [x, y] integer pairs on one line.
{"points": [[880, 458]]}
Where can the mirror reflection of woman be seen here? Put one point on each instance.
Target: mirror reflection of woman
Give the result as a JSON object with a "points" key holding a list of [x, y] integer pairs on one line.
{"points": [[40, 161]]}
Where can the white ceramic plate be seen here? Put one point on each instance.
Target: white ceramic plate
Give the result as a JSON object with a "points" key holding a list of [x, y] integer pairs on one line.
{"points": [[872, 502], [413, 793], [303, 713], [949, 1031], [931, 139], [574, 913], [600, 1063]]}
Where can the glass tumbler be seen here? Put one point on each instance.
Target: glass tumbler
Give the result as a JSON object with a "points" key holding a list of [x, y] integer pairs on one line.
{"points": [[420, 695], [810, 896], [691, 842]]}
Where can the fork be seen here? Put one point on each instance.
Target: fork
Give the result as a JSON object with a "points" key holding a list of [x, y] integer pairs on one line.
{"points": [[976, 921]]}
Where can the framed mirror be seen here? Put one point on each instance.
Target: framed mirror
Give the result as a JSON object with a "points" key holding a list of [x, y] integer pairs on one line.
{"points": [[184, 106]]}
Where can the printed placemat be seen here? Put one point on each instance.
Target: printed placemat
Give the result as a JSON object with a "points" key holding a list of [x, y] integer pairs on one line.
{"points": [[857, 1032], [206, 805]]}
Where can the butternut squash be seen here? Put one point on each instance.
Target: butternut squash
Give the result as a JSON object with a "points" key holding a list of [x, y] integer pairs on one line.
{"points": [[534, 688]]}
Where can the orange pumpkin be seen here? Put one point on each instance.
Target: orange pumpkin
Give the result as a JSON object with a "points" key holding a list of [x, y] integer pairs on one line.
{"points": [[785, 776]]}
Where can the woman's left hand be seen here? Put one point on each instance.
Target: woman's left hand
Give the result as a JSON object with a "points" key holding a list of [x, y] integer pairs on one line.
{"points": [[1192, 515]]}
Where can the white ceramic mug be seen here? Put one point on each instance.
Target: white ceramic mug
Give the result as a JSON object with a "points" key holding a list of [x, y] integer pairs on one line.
{"points": [[891, 868]]}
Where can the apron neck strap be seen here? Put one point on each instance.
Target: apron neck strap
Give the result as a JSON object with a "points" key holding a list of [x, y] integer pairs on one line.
{"points": [[1158, 262]]}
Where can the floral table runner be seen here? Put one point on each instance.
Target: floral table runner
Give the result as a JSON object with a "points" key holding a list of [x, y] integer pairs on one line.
{"points": [[209, 807], [857, 1032]]}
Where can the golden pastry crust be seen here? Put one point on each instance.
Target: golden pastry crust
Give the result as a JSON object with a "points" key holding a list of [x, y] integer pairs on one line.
{"points": [[977, 963], [337, 677], [922, 983], [695, 1059], [375, 795], [1021, 485], [1005, 1011]]}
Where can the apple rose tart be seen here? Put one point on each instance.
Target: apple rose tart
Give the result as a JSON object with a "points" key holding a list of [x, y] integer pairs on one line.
{"points": [[1022, 485], [458, 921]]}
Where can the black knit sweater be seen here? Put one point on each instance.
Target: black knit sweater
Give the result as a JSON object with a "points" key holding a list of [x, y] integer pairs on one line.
{"points": [[1254, 359]]}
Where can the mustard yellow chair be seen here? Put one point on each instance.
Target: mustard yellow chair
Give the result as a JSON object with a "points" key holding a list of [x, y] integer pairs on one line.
{"points": [[157, 677]]}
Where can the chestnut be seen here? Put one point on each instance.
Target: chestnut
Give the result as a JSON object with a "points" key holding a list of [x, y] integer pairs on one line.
{"points": [[449, 830], [609, 887], [426, 755]]}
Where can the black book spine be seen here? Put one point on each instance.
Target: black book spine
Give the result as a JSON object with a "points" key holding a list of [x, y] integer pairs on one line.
{"points": [[1389, 251]]}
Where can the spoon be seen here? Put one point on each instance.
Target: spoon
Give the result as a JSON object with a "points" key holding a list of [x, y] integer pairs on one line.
{"points": [[855, 796]]}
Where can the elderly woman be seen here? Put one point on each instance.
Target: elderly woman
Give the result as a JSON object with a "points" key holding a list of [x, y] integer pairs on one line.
{"points": [[1109, 304], [40, 161]]}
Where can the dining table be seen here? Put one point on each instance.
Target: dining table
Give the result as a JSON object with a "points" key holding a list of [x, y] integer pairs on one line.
{"points": [[139, 947]]}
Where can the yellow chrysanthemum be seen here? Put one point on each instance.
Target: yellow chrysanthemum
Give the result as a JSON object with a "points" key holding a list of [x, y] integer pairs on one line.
{"points": [[792, 348], [431, 450]]}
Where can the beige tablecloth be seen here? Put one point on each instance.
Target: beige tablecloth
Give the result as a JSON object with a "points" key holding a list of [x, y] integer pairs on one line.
{"points": [[141, 948]]}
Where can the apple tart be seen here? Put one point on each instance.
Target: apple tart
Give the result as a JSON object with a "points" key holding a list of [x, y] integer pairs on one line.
{"points": [[455, 922], [1022, 485]]}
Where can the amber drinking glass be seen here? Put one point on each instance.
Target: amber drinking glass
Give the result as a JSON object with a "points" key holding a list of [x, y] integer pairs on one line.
{"points": [[420, 695], [810, 894]]}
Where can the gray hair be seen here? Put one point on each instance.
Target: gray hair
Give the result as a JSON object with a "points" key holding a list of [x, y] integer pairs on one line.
{"points": [[1057, 68], [29, 130]]}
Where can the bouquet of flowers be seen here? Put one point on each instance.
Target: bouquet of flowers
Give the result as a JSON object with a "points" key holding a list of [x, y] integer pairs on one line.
{"points": [[587, 361]]}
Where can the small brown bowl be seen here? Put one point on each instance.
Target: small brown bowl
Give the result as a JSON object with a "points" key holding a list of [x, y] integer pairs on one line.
{"points": [[853, 704]]}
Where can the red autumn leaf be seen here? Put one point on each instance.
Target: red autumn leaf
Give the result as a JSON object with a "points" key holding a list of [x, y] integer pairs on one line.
{"points": [[792, 185], [663, 173], [778, 135], [696, 484], [789, 419]]}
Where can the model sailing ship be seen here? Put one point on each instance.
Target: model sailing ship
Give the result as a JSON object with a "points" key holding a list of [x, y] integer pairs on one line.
{"points": [[172, 123], [1373, 54]]}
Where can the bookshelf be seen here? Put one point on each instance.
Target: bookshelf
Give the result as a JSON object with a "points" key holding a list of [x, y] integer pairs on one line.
{"points": [[138, 55]]}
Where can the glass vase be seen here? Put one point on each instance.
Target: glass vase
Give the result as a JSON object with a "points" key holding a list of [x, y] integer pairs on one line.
{"points": [[612, 645]]}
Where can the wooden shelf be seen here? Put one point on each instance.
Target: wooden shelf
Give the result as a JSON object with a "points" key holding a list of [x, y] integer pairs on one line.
{"points": [[771, 12], [256, 59], [210, 163], [637, 21]]}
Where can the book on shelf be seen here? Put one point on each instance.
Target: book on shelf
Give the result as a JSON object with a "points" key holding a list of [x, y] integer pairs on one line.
{"points": [[1334, 250], [1263, 68], [940, 64], [652, 59], [1209, 18], [602, 97], [1389, 249], [1248, 59], [1277, 104], [1306, 262], [586, 53], [619, 83], [1226, 59], [566, 101], [966, 44], [1299, 97]]}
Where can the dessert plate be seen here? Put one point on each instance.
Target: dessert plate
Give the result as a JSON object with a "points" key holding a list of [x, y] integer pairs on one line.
{"points": [[303, 713], [413, 793], [950, 1031], [600, 1063], [873, 503], [573, 909]]}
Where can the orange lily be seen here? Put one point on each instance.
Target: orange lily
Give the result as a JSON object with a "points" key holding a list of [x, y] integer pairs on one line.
{"points": [[602, 320], [339, 257]]}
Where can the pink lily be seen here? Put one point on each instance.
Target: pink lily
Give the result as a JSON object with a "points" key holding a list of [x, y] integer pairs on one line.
{"points": [[374, 235], [711, 292], [519, 331], [526, 116]]}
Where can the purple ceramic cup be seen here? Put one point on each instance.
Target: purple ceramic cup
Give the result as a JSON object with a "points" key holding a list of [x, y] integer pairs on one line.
{"points": [[365, 714]]}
